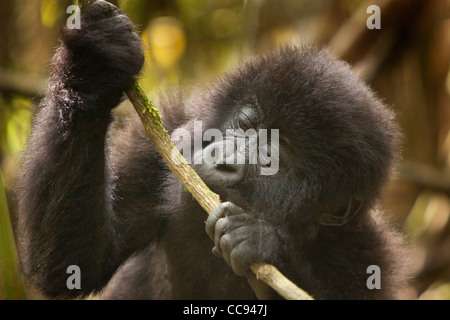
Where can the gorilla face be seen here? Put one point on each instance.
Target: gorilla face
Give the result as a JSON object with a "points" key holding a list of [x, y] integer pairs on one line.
{"points": [[289, 124]]}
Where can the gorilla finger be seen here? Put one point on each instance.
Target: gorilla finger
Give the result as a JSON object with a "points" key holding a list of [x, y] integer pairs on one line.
{"points": [[99, 10], [217, 252], [238, 263], [122, 23], [219, 231], [210, 223], [230, 209], [224, 235], [225, 248], [230, 241]]}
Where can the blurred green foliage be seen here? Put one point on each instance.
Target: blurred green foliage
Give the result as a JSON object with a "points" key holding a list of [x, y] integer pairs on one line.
{"points": [[11, 285], [16, 116]]}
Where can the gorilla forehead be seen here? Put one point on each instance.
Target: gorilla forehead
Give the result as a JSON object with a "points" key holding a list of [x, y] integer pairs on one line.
{"points": [[296, 82]]}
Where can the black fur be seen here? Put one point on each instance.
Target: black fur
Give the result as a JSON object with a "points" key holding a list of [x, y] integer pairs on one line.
{"points": [[104, 200]]}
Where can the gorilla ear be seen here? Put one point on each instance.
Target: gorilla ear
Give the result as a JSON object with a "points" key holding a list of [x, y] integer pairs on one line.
{"points": [[339, 219]]}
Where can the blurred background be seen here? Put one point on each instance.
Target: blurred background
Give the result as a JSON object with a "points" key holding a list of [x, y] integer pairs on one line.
{"points": [[191, 42]]}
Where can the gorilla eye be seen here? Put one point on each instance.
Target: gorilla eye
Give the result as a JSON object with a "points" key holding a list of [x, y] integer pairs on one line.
{"points": [[246, 119], [244, 123]]}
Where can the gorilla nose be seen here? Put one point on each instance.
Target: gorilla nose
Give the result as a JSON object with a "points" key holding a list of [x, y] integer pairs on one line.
{"points": [[219, 165]]}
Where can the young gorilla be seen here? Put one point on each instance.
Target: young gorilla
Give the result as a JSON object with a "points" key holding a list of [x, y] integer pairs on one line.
{"points": [[100, 197]]}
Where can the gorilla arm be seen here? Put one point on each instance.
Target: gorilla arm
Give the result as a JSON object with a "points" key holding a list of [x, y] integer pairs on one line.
{"points": [[70, 208]]}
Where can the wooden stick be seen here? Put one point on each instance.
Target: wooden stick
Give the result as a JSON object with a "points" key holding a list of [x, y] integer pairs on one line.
{"points": [[208, 200]]}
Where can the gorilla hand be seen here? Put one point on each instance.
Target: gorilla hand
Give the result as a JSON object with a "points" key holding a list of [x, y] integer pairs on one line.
{"points": [[101, 59], [241, 239]]}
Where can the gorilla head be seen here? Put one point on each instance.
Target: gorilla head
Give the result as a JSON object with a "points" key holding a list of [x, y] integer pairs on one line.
{"points": [[335, 140]]}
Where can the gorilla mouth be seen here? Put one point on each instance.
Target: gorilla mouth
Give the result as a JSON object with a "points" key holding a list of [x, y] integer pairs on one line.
{"points": [[225, 168]]}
